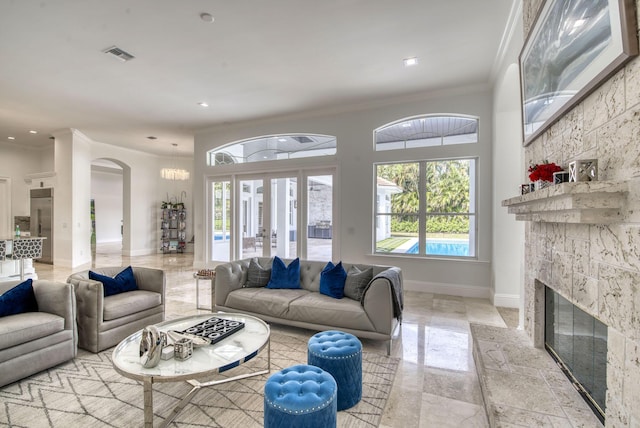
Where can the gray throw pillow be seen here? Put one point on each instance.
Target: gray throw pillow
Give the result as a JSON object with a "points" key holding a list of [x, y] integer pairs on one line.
{"points": [[356, 282], [257, 276]]}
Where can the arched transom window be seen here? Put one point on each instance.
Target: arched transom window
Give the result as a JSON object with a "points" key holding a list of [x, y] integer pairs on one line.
{"points": [[273, 147], [426, 131]]}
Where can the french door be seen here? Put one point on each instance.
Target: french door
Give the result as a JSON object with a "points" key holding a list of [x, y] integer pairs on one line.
{"points": [[260, 216], [268, 216]]}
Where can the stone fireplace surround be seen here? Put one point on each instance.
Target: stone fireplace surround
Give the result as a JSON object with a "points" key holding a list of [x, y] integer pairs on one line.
{"points": [[595, 267], [566, 226]]}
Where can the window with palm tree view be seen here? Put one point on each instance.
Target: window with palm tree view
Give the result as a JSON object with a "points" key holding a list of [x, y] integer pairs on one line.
{"points": [[426, 208]]}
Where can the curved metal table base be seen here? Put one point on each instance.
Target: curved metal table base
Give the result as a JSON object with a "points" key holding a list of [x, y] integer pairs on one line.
{"points": [[148, 392]]}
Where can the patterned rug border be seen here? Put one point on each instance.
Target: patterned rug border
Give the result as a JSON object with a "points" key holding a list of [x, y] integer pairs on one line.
{"points": [[87, 391]]}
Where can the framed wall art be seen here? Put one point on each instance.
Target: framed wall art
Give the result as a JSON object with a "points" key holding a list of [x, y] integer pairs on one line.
{"points": [[573, 47]]}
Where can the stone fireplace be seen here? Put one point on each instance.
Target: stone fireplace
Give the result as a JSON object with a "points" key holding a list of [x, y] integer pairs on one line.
{"points": [[582, 242], [583, 239]]}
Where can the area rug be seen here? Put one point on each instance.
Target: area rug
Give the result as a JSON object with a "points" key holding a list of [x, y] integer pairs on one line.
{"points": [[89, 392]]}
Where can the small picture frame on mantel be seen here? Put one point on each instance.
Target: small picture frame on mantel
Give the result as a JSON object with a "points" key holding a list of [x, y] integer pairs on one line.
{"points": [[583, 170]]}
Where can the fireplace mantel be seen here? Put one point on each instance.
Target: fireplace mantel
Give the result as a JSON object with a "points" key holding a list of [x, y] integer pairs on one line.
{"points": [[590, 202]]}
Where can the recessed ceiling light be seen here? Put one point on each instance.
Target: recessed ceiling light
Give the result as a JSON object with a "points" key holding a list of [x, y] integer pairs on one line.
{"points": [[207, 17], [33, 132], [11, 138], [408, 62], [151, 137], [203, 104]]}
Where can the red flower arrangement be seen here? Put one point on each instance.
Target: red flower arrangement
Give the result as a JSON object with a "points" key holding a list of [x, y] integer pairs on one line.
{"points": [[543, 171]]}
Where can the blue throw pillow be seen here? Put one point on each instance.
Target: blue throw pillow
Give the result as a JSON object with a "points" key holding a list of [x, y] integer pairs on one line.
{"points": [[18, 300], [284, 276], [332, 280], [124, 281]]}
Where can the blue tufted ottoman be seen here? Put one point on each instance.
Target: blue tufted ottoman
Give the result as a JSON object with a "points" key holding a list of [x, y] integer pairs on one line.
{"points": [[340, 354], [301, 396]]}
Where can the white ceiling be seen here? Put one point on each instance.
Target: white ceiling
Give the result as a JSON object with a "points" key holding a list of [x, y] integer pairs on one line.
{"points": [[258, 59]]}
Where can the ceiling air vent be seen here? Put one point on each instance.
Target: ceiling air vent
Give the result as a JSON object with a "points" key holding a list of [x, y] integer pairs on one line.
{"points": [[302, 139], [119, 53]]}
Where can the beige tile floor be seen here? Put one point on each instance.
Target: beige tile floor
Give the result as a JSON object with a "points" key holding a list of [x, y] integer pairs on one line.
{"points": [[436, 384]]}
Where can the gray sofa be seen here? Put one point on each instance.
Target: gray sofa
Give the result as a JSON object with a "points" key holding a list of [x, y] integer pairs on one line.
{"points": [[34, 341], [104, 321], [372, 318]]}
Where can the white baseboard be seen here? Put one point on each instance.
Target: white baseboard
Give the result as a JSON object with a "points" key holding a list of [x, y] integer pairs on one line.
{"points": [[506, 300], [450, 289], [141, 252]]}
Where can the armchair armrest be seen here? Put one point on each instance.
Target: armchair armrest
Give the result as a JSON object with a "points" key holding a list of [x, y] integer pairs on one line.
{"points": [[56, 298], [150, 280], [89, 297], [229, 277]]}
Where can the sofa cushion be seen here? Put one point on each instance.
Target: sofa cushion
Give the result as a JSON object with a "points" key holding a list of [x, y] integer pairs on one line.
{"points": [[356, 282], [284, 276], [257, 276], [18, 300], [320, 309], [332, 280], [264, 300], [131, 302], [25, 327], [121, 283]]}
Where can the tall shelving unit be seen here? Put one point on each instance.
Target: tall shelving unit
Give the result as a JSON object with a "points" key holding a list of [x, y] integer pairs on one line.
{"points": [[173, 228]]}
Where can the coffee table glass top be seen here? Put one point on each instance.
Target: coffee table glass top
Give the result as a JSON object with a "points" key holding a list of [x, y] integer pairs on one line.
{"points": [[207, 359]]}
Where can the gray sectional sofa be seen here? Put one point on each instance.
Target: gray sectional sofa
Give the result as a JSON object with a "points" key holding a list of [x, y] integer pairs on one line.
{"points": [[374, 317], [34, 341]]}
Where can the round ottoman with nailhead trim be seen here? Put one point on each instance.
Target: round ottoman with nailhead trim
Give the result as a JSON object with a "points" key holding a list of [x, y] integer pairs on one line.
{"points": [[340, 354], [300, 396]]}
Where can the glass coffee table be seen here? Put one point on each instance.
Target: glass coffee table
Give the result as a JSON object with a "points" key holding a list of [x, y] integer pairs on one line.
{"points": [[206, 360]]}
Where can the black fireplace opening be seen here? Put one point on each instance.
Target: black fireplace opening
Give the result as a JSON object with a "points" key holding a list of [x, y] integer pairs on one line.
{"points": [[578, 342]]}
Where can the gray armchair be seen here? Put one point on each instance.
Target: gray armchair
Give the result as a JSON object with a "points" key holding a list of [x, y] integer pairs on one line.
{"points": [[104, 321], [34, 341]]}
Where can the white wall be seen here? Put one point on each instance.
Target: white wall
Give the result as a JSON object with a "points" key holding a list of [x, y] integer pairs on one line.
{"points": [[46, 158], [355, 158], [509, 172], [71, 195], [81, 200], [106, 191]]}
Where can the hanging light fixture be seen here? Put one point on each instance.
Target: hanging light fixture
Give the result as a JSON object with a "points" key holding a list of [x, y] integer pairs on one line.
{"points": [[174, 173]]}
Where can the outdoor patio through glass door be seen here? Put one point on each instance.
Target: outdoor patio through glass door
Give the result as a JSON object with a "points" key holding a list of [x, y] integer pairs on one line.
{"points": [[262, 217], [268, 217]]}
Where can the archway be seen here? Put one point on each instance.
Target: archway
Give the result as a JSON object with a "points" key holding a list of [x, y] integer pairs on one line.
{"points": [[110, 207]]}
